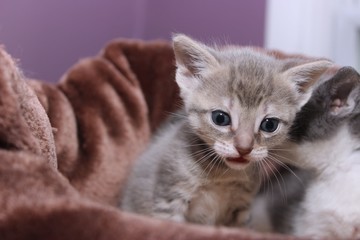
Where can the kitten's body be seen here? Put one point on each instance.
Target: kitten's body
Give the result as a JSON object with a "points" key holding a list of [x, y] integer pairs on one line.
{"points": [[326, 143], [330, 148], [331, 207], [239, 103], [182, 189]]}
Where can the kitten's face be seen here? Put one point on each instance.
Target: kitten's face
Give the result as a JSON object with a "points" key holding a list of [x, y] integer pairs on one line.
{"points": [[239, 101], [241, 123]]}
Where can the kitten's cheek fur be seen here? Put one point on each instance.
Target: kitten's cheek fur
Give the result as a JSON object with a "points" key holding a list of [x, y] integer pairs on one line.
{"points": [[227, 153], [225, 150], [258, 155]]}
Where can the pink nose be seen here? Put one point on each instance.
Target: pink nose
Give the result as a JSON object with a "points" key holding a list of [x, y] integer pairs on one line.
{"points": [[244, 151]]}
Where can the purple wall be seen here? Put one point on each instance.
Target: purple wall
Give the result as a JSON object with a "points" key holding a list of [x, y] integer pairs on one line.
{"points": [[237, 21], [50, 36]]}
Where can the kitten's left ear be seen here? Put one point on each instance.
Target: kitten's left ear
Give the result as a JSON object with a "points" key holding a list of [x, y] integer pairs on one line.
{"points": [[344, 90], [305, 77]]}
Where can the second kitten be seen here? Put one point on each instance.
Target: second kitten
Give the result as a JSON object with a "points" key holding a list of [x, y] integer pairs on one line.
{"points": [[322, 201]]}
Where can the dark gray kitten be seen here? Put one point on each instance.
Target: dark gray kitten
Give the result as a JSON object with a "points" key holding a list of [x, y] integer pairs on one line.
{"points": [[239, 103], [326, 143]]}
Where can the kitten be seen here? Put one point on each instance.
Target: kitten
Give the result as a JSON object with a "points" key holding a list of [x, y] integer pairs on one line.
{"points": [[238, 103], [326, 144]]}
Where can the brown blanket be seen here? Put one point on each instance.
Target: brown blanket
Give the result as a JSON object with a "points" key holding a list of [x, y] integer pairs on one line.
{"points": [[66, 149]]}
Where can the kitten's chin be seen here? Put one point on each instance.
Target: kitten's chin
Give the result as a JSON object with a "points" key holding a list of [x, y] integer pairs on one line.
{"points": [[238, 163]]}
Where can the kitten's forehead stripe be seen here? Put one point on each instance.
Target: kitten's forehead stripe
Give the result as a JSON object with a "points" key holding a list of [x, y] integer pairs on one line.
{"points": [[249, 81], [254, 95]]}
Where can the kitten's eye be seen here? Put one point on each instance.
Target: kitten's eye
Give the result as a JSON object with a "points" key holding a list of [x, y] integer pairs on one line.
{"points": [[220, 118], [269, 124]]}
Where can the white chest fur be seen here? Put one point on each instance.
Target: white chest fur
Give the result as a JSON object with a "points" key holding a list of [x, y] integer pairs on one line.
{"points": [[331, 207]]}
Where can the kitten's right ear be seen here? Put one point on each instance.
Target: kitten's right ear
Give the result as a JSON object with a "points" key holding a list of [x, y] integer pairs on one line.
{"points": [[192, 55], [305, 77], [192, 59]]}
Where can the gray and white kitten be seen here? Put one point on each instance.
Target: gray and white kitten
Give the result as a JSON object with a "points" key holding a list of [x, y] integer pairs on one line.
{"points": [[239, 103], [326, 144]]}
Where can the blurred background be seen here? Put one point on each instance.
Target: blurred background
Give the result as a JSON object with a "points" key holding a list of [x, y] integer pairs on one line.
{"points": [[48, 37]]}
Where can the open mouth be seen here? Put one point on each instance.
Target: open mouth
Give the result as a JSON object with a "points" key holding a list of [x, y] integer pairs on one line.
{"points": [[238, 160]]}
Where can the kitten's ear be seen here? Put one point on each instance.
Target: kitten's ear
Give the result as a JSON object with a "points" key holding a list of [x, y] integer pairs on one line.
{"points": [[192, 55], [344, 90], [305, 77], [192, 59]]}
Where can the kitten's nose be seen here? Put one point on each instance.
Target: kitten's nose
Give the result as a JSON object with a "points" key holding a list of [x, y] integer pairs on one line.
{"points": [[244, 143], [244, 151]]}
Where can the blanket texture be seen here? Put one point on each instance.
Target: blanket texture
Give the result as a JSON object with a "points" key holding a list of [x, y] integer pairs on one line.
{"points": [[66, 149]]}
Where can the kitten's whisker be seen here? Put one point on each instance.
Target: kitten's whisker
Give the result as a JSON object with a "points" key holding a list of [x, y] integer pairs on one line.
{"points": [[283, 158], [176, 114], [264, 179], [207, 149], [261, 175], [258, 166], [247, 177], [196, 145], [280, 149], [195, 139], [264, 174], [219, 162], [205, 152], [227, 168], [199, 152], [225, 171], [283, 192], [201, 161], [287, 168], [275, 158], [207, 158], [266, 168], [213, 163]]}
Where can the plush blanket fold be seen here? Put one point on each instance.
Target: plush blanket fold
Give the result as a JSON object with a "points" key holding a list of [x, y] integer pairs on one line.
{"points": [[66, 149]]}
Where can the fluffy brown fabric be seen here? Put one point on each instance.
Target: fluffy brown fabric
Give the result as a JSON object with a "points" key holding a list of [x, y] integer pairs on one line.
{"points": [[100, 117]]}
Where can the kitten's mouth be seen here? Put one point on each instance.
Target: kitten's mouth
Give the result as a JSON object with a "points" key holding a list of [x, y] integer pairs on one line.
{"points": [[239, 160]]}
